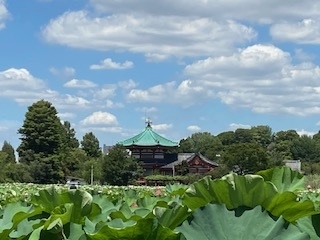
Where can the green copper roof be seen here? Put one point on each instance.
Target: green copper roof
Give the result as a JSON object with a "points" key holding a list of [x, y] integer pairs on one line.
{"points": [[148, 138]]}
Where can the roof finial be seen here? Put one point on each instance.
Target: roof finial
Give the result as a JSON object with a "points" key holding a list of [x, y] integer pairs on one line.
{"points": [[148, 122]]}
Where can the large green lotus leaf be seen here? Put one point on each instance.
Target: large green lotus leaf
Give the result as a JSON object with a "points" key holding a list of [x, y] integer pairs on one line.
{"points": [[102, 207], [13, 215], [49, 199], [290, 207], [171, 217], [310, 225], [24, 228], [144, 229], [176, 189], [150, 202], [232, 190], [76, 232], [217, 222], [284, 179]]}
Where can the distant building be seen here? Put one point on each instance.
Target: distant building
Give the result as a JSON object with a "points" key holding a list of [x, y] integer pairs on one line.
{"points": [[196, 162], [293, 164], [153, 150], [106, 149], [157, 153]]}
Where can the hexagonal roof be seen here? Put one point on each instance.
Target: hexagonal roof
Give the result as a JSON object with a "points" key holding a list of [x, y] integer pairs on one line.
{"points": [[148, 137]]}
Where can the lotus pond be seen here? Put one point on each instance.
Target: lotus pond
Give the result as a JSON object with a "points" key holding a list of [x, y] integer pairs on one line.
{"points": [[272, 204]]}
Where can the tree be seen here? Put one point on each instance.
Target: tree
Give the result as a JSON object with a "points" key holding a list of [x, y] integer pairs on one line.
{"points": [[9, 150], [202, 142], [70, 136], [119, 168], [305, 148], [243, 135], [246, 158], [227, 138], [41, 132], [90, 144], [262, 135]]}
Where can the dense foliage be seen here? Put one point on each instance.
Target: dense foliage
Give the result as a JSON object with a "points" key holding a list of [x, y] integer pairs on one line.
{"points": [[49, 151], [119, 168], [273, 201]]}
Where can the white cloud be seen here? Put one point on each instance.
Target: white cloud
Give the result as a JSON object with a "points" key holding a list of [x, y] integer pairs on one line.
{"points": [[106, 91], [260, 11], [65, 73], [4, 14], [148, 34], [161, 127], [110, 104], [19, 79], [2, 128], [147, 109], [262, 78], [76, 83], [194, 128], [109, 64], [112, 129], [129, 84], [100, 118], [66, 115], [306, 31], [303, 132], [235, 126]]}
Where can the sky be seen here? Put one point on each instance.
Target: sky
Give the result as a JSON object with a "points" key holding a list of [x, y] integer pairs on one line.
{"points": [[190, 66]]}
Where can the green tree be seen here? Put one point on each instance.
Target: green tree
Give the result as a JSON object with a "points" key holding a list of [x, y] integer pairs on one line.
{"points": [[119, 168], [42, 141], [305, 148], [9, 150], [74, 160], [70, 136], [41, 132], [204, 143], [243, 135], [90, 144], [246, 157], [227, 138], [262, 135]]}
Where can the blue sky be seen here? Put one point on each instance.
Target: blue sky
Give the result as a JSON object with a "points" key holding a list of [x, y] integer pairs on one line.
{"points": [[191, 66]]}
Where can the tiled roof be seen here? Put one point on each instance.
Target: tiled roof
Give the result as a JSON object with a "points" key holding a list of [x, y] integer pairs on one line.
{"points": [[148, 137], [188, 157]]}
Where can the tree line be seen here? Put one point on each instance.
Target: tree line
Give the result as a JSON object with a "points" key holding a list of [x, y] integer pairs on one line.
{"points": [[49, 151]]}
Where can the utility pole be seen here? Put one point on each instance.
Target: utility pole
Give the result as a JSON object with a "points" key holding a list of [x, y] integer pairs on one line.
{"points": [[91, 174]]}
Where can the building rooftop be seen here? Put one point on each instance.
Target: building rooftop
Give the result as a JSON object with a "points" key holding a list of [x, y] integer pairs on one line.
{"points": [[148, 137]]}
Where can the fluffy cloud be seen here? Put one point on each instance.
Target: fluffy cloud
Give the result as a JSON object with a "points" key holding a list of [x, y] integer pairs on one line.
{"points": [[106, 91], [235, 126], [66, 115], [146, 109], [4, 14], [148, 34], [100, 118], [66, 72], [110, 104], [13, 79], [303, 132], [127, 84], [260, 77], [261, 11], [161, 127], [75, 83], [194, 128], [109, 64], [306, 31]]}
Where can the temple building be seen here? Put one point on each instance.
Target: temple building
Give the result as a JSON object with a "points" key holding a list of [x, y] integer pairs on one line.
{"points": [[159, 154], [152, 149]]}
